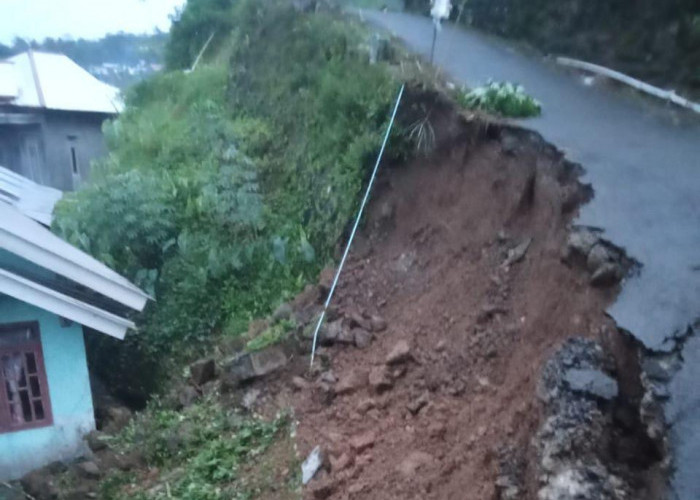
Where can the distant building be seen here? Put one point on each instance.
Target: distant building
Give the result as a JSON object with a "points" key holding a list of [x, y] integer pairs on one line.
{"points": [[51, 115]]}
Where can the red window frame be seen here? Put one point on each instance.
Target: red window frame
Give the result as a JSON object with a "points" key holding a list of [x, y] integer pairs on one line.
{"points": [[38, 376]]}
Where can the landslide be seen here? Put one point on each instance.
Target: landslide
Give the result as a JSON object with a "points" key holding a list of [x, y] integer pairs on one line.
{"points": [[461, 258]]}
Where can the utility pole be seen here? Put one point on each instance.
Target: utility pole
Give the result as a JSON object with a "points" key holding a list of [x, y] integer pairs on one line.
{"points": [[440, 10]]}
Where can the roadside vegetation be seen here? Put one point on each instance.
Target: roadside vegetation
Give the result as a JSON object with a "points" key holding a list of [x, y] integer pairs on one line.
{"points": [[227, 188], [500, 98]]}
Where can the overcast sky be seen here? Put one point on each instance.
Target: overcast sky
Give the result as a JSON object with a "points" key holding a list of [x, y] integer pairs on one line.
{"points": [[38, 19]]}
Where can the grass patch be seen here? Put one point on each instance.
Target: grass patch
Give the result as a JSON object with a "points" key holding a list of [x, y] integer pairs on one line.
{"points": [[502, 98]]}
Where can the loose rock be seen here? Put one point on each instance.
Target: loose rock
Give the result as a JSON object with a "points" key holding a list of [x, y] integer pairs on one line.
{"points": [[400, 353], [88, 470], [414, 461], [606, 275], [380, 379], [377, 324], [352, 381], [593, 382], [597, 257], [362, 338], [202, 371], [363, 441]]}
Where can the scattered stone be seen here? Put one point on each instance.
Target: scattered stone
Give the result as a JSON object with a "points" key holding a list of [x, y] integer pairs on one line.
{"points": [[187, 396], [518, 253], [440, 346], [597, 257], [283, 312], [346, 337], [249, 399], [661, 367], [593, 382], [116, 418], [342, 462], [363, 441], [312, 464], [253, 365], [332, 332], [488, 311], [581, 242], [95, 441], [328, 377], [40, 484], [300, 383], [211, 387], [366, 405], [414, 461], [415, 405], [88, 470], [400, 353], [310, 295], [377, 324], [357, 320], [362, 338], [202, 371], [380, 379], [325, 279], [352, 381], [606, 275], [323, 490]]}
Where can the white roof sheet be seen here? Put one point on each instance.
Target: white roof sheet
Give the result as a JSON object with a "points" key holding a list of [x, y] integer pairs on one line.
{"points": [[9, 88], [54, 81], [28, 239], [30, 198]]}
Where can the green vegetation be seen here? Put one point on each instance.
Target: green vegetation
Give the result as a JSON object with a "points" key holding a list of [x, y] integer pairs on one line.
{"points": [[505, 99], [226, 189], [201, 453], [271, 335]]}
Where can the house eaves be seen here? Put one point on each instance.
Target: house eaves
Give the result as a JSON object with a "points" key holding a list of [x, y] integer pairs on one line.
{"points": [[22, 236], [30, 198], [62, 305]]}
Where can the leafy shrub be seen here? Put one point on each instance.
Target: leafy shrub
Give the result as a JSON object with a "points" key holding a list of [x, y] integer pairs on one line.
{"points": [[505, 99], [227, 188], [191, 28], [205, 445]]}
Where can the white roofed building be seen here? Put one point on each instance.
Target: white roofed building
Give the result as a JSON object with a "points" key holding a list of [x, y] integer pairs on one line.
{"points": [[51, 115]]}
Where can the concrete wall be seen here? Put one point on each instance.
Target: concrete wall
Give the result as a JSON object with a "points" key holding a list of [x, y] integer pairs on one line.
{"points": [[83, 131], [69, 389], [42, 151]]}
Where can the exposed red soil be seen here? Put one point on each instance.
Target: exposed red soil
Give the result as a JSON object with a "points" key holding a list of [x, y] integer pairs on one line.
{"points": [[431, 263]]}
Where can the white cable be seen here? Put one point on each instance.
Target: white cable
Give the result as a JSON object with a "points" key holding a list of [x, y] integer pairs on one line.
{"points": [[357, 223]]}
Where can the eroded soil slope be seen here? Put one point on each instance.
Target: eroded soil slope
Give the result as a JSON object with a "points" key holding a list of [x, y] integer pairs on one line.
{"points": [[461, 256]]}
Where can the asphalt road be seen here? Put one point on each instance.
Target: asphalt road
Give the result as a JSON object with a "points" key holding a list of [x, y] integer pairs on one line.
{"points": [[644, 166]]}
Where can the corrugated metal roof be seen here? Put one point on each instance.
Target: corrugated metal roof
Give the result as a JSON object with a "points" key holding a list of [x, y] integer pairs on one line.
{"points": [[54, 81], [30, 198], [30, 240]]}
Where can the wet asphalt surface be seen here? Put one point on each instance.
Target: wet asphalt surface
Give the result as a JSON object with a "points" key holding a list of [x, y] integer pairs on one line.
{"points": [[643, 160]]}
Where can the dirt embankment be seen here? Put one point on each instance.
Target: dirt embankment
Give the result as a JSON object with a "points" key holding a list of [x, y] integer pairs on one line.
{"points": [[461, 277]]}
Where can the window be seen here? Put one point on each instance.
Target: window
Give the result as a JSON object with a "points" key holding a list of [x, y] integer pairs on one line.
{"points": [[74, 159], [24, 391], [73, 150]]}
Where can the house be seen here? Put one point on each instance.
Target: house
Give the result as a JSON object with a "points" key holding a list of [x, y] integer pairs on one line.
{"points": [[51, 294], [51, 115]]}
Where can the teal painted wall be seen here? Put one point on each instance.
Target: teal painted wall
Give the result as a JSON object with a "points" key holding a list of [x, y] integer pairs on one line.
{"points": [[69, 390]]}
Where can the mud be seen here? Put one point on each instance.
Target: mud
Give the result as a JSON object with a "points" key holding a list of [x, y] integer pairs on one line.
{"points": [[464, 259]]}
